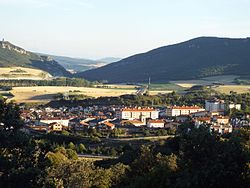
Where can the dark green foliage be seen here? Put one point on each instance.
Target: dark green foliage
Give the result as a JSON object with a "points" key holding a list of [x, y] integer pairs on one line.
{"points": [[21, 160], [9, 116], [76, 82], [200, 57]]}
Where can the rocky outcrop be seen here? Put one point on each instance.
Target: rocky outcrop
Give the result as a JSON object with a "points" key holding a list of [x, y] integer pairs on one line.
{"points": [[9, 46]]}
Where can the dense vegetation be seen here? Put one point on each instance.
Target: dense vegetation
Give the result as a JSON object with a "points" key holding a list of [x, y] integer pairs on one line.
{"points": [[12, 58], [76, 82], [200, 57], [193, 158]]}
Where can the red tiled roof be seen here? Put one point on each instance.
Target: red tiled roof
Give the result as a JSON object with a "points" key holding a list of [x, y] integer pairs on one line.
{"points": [[109, 124]]}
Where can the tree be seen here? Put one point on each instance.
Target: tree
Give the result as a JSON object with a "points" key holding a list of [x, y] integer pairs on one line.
{"points": [[81, 148], [10, 116], [72, 146]]}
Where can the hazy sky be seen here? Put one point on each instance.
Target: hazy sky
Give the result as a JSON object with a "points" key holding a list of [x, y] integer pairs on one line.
{"points": [[119, 28]]}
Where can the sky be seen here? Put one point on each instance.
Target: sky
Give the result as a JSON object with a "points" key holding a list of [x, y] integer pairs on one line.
{"points": [[117, 28]]}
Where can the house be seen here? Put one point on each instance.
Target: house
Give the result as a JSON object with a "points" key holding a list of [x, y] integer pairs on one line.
{"points": [[200, 114], [202, 120], [222, 129], [106, 126], [81, 126], [234, 106], [56, 127], [95, 122], [136, 123], [155, 123], [216, 113], [40, 128], [136, 113], [182, 110], [47, 121], [221, 119]]}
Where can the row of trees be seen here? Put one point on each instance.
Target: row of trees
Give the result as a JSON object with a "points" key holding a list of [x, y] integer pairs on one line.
{"points": [[77, 82]]}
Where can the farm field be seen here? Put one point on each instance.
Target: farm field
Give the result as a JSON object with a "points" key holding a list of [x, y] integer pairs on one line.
{"points": [[236, 88], [22, 73], [47, 93], [118, 86], [228, 80]]}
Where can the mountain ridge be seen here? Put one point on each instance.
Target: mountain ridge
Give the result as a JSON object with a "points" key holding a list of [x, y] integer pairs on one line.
{"points": [[195, 58]]}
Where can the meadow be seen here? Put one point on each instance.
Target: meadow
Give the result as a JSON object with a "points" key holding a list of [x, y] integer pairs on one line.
{"points": [[235, 88]]}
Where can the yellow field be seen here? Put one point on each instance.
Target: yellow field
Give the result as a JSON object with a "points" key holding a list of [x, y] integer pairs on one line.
{"points": [[47, 93], [236, 88], [28, 73], [120, 86]]}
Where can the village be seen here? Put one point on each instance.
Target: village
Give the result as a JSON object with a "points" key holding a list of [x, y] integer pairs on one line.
{"points": [[131, 121]]}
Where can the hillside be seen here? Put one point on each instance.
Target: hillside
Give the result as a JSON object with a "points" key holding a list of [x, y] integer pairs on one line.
{"points": [[196, 58], [13, 56]]}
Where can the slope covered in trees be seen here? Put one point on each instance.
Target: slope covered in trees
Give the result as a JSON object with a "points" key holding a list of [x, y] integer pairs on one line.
{"points": [[196, 58]]}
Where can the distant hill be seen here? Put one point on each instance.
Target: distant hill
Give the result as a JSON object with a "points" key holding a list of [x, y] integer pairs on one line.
{"points": [[196, 58], [110, 59], [80, 64], [77, 64], [14, 56]]}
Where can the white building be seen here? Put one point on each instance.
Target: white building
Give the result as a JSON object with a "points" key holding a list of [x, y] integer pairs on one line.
{"points": [[183, 110], [64, 122], [215, 105], [234, 106], [137, 113], [222, 129], [155, 124]]}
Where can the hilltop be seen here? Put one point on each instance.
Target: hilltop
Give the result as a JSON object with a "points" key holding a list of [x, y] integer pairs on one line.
{"points": [[196, 58], [14, 56]]}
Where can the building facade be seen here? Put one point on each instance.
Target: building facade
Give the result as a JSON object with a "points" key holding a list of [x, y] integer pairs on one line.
{"points": [[137, 113], [183, 110], [215, 105]]}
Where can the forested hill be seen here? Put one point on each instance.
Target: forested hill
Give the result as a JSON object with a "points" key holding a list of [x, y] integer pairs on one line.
{"points": [[14, 56], [196, 58]]}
